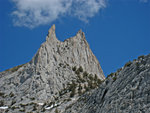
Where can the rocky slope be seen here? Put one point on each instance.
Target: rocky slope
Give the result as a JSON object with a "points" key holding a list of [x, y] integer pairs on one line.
{"points": [[56, 76], [126, 91]]}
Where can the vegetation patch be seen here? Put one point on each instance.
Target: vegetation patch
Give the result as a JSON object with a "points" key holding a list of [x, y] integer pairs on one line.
{"points": [[141, 57], [14, 107], [77, 72], [32, 98], [11, 94], [114, 78], [80, 69], [1, 103], [74, 68], [85, 74], [128, 64], [110, 75], [2, 94], [72, 89]]}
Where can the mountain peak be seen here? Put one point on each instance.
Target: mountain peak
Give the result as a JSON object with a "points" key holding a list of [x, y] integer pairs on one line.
{"points": [[55, 68], [51, 34], [81, 33], [52, 29], [75, 51]]}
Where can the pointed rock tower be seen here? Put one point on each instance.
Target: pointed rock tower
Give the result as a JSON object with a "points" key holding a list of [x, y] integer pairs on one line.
{"points": [[54, 68], [74, 51]]}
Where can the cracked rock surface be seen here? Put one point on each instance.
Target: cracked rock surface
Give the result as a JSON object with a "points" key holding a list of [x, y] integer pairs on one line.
{"points": [[126, 91], [48, 73]]}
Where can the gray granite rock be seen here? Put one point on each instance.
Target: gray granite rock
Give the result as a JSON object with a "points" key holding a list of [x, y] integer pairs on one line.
{"points": [[48, 73], [126, 91]]}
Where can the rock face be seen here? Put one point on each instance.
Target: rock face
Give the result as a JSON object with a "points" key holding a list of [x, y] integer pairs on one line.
{"points": [[66, 77], [55, 65], [126, 91]]}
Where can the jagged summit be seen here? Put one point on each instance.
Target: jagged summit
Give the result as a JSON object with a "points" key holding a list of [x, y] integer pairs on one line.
{"points": [[52, 29], [56, 67], [74, 51], [52, 35]]}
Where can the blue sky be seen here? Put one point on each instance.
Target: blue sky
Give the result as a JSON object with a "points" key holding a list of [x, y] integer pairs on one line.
{"points": [[117, 30]]}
